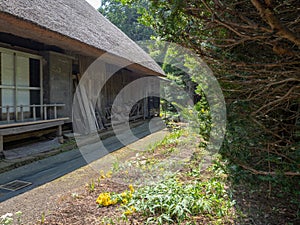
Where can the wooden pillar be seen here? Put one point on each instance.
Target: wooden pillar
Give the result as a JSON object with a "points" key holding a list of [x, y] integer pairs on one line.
{"points": [[15, 89], [1, 144], [34, 112], [45, 112], [22, 113], [55, 111], [7, 114], [60, 135]]}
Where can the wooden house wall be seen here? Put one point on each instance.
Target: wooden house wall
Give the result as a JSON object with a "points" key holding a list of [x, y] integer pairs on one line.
{"points": [[113, 85], [98, 91], [116, 83], [57, 81]]}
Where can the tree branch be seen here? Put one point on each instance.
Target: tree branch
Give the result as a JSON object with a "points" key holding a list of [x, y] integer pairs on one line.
{"points": [[265, 173], [275, 24]]}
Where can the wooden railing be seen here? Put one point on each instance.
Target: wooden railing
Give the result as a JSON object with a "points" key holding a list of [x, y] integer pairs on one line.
{"points": [[19, 110], [136, 112]]}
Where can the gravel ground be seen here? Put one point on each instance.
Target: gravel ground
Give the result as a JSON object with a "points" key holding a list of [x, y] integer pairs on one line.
{"points": [[47, 199]]}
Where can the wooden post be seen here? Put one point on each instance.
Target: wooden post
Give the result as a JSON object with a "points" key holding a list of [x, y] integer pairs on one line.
{"points": [[1, 144], [60, 135], [42, 88], [34, 113], [22, 113], [7, 114], [15, 89], [144, 108], [45, 112], [55, 111]]}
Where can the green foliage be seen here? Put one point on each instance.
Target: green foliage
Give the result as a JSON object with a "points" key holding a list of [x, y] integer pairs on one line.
{"points": [[126, 16], [245, 140], [174, 201], [110, 198], [251, 64], [168, 140], [174, 63], [91, 186], [8, 218], [204, 118], [245, 145], [170, 20], [257, 69], [43, 218], [184, 71]]}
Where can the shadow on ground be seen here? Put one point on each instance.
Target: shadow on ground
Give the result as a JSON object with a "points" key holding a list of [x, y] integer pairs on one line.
{"points": [[262, 202], [53, 167]]}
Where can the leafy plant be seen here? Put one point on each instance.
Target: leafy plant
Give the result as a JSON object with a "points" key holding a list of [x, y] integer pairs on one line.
{"points": [[92, 186], [169, 140], [106, 199], [7, 219], [43, 218], [173, 201]]}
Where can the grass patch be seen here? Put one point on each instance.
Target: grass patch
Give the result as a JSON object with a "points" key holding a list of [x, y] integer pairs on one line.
{"points": [[177, 200], [187, 196]]}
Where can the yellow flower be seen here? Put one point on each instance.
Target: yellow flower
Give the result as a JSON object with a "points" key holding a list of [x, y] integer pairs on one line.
{"points": [[113, 202], [104, 199], [108, 174], [107, 198], [102, 174], [131, 188], [123, 194], [130, 211]]}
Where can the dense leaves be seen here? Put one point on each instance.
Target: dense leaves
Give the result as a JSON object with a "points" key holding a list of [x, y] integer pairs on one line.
{"points": [[253, 49], [126, 18]]}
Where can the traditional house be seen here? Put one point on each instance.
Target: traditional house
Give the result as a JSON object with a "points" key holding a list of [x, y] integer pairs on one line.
{"points": [[45, 47]]}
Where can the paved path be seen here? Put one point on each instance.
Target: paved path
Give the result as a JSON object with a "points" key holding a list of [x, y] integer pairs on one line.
{"points": [[49, 169]]}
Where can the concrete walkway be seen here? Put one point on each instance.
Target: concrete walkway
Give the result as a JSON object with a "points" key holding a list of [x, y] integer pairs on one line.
{"points": [[68, 171]]}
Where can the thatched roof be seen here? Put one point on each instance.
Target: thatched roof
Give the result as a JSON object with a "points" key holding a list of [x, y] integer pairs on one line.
{"points": [[77, 20]]}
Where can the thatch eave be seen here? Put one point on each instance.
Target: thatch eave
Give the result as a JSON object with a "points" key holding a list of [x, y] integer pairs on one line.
{"points": [[66, 25]]}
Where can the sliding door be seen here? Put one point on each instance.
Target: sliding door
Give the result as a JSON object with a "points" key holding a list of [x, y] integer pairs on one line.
{"points": [[20, 84]]}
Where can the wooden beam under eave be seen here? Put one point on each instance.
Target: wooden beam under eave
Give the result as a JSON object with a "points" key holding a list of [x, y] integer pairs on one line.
{"points": [[13, 25]]}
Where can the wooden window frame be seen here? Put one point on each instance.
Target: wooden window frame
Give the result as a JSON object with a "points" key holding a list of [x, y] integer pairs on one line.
{"points": [[14, 87]]}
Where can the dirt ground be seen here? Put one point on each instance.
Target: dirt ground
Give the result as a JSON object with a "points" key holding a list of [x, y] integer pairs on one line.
{"points": [[53, 196], [71, 199]]}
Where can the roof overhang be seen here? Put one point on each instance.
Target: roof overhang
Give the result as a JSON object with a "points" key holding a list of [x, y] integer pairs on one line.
{"points": [[22, 28]]}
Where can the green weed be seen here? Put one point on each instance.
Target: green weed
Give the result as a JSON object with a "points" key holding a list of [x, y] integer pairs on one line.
{"points": [[174, 201]]}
